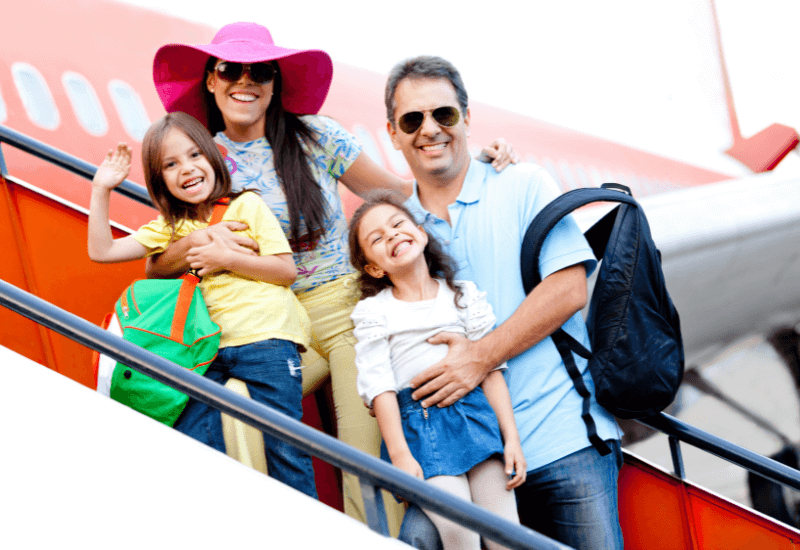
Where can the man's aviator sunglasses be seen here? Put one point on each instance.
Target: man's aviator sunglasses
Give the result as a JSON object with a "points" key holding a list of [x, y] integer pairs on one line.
{"points": [[444, 116], [260, 73]]}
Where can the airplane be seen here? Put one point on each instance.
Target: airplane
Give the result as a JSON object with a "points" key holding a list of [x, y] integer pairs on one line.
{"points": [[727, 245]]}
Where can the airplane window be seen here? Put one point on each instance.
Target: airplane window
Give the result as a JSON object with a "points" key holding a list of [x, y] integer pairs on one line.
{"points": [[3, 110], [129, 108], [396, 158], [85, 103], [368, 144], [569, 179], [35, 95]]}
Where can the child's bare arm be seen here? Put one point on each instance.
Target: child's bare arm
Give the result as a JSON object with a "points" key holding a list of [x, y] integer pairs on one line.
{"points": [[277, 269], [496, 391], [387, 412], [172, 262], [101, 244]]}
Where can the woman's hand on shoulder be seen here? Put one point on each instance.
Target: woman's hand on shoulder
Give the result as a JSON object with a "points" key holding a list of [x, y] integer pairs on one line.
{"points": [[114, 169], [499, 153], [516, 465]]}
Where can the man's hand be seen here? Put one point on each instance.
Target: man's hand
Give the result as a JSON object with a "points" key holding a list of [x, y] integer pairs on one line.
{"points": [[453, 377]]}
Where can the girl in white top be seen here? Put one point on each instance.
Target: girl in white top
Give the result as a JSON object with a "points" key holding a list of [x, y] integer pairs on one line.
{"points": [[471, 448]]}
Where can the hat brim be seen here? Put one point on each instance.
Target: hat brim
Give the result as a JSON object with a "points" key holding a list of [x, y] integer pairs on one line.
{"points": [[180, 82]]}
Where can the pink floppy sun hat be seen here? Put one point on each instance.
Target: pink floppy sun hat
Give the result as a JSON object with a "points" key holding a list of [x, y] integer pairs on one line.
{"points": [[178, 70]]}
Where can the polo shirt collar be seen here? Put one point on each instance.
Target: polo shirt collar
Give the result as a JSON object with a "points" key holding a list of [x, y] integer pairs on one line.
{"points": [[470, 190], [416, 207]]}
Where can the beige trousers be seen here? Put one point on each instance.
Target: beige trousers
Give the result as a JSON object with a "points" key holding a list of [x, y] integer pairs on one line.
{"points": [[332, 354]]}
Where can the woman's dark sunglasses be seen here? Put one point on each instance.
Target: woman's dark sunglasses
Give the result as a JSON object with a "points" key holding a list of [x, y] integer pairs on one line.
{"points": [[260, 73], [444, 116]]}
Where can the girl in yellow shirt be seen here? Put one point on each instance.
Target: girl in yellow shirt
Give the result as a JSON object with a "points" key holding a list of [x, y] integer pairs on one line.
{"points": [[263, 325]]}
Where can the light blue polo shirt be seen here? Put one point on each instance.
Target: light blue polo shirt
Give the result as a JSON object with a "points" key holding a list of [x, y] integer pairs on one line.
{"points": [[489, 220]]}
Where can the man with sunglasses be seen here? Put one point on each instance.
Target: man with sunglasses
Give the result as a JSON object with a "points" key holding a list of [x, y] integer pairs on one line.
{"points": [[481, 217]]}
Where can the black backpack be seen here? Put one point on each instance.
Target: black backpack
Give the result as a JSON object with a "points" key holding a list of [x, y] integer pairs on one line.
{"points": [[637, 361]]}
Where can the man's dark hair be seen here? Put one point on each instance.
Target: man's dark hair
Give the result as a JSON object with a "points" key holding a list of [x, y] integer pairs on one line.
{"points": [[424, 66]]}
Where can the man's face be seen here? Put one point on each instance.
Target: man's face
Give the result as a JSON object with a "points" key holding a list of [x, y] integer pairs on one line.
{"points": [[433, 150]]}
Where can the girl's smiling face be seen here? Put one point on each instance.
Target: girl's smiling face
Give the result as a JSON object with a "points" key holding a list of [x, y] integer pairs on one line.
{"points": [[391, 241], [187, 173]]}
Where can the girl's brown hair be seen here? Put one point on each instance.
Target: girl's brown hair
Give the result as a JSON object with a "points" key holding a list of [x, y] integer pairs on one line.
{"points": [[174, 210], [440, 265]]}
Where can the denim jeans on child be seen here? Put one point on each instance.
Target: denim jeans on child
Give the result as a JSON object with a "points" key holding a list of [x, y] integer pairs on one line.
{"points": [[572, 500], [271, 370]]}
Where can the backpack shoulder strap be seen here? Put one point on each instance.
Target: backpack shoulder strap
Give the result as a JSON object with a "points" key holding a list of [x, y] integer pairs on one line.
{"points": [[597, 236], [551, 214], [566, 344], [219, 210]]}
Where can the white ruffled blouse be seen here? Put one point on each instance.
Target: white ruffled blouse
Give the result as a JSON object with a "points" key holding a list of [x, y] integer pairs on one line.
{"points": [[392, 334]]}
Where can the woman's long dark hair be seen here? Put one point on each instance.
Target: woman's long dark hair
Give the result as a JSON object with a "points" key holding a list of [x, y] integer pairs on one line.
{"points": [[440, 265], [285, 133], [173, 209]]}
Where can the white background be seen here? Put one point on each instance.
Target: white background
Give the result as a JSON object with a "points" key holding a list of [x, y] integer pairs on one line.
{"points": [[643, 73]]}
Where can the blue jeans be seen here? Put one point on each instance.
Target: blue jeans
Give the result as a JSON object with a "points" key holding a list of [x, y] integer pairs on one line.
{"points": [[572, 500], [271, 371]]}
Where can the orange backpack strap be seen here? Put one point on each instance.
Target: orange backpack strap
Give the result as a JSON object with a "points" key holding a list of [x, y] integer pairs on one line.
{"points": [[185, 295], [219, 210], [191, 280]]}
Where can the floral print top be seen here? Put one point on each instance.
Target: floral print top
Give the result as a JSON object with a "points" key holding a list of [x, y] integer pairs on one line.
{"points": [[319, 258]]}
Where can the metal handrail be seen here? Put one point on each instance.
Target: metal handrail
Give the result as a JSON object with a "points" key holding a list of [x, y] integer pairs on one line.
{"points": [[372, 471], [68, 162], [750, 460]]}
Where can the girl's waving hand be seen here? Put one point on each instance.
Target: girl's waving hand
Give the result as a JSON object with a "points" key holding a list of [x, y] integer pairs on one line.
{"points": [[114, 168], [102, 246]]}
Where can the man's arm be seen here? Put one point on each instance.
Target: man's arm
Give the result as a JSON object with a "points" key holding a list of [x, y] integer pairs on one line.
{"points": [[557, 298]]}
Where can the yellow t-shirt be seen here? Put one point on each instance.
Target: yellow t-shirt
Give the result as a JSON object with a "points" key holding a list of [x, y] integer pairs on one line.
{"points": [[246, 310]]}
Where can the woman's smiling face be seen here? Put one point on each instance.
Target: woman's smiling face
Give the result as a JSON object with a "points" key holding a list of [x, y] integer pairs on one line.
{"points": [[243, 104]]}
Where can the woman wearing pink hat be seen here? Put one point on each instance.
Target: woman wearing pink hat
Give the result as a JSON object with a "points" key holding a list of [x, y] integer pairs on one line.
{"points": [[260, 101]]}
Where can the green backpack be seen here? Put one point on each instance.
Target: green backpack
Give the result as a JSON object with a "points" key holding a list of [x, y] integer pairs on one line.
{"points": [[168, 317]]}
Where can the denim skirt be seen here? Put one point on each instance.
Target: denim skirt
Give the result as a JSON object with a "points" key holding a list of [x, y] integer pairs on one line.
{"points": [[449, 441]]}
